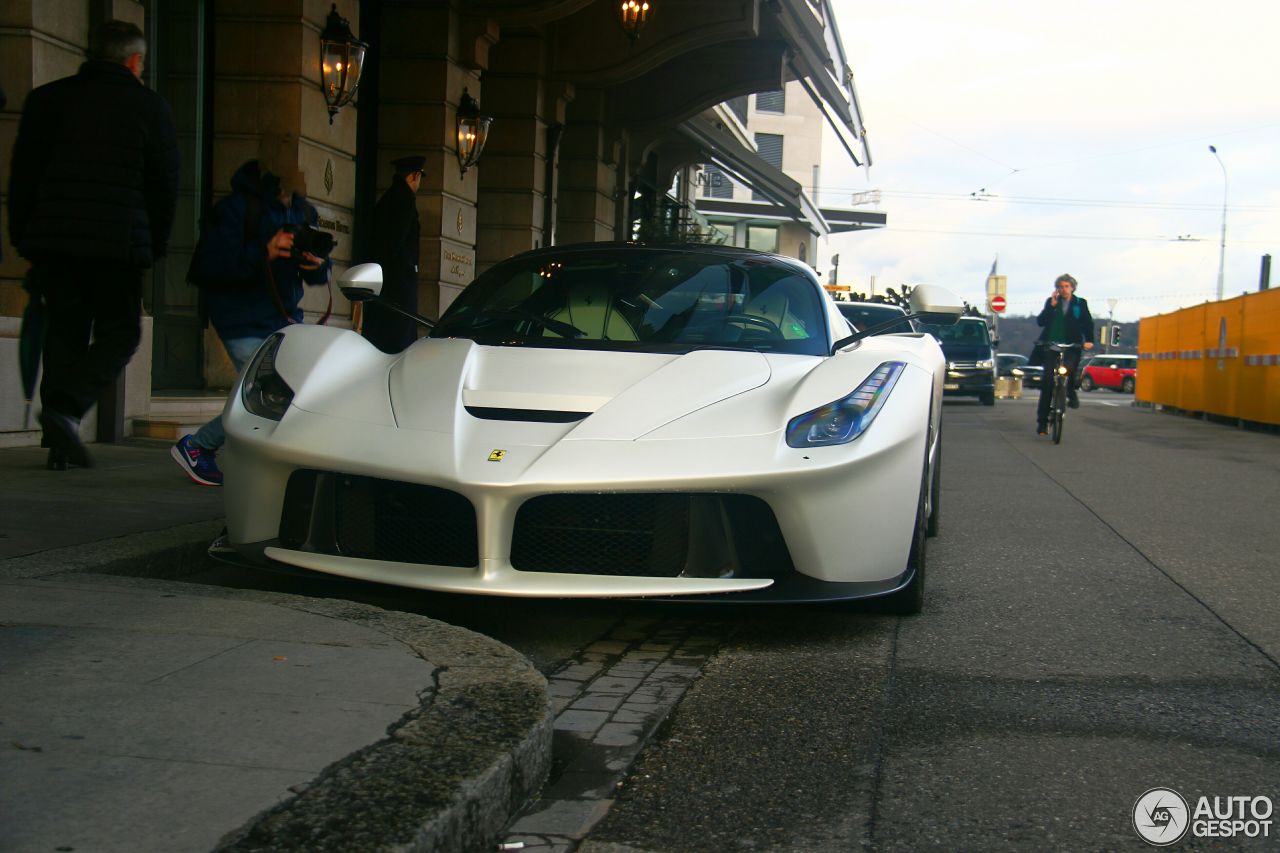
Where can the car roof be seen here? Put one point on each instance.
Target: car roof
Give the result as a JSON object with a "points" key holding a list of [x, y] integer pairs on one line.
{"points": [[686, 248]]}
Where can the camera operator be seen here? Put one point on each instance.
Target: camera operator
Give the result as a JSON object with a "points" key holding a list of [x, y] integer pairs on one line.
{"points": [[253, 276]]}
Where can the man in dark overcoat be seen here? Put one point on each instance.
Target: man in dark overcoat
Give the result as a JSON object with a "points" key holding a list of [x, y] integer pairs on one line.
{"points": [[92, 194], [1065, 319], [395, 247]]}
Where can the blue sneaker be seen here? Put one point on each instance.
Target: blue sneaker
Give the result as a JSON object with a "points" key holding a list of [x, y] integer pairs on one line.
{"points": [[197, 462]]}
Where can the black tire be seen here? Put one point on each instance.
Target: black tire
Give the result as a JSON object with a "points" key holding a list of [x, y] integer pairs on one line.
{"points": [[988, 398], [1055, 415], [909, 600], [1128, 385], [1086, 383], [935, 495]]}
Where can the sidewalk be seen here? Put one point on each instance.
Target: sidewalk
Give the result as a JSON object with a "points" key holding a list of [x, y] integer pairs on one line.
{"points": [[140, 713]]}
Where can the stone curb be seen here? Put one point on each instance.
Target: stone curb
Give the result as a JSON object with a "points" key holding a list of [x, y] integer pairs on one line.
{"points": [[450, 774]]}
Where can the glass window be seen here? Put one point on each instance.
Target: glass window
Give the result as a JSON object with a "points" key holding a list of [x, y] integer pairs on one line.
{"points": [[863, 316], [769, 146], [772, 102], [725, 230], [641, 299], [963, 332], [716, 183], [762, 238]]}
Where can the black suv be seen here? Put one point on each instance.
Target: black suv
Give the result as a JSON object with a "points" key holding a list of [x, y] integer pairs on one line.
{"points": [[971, 359]]}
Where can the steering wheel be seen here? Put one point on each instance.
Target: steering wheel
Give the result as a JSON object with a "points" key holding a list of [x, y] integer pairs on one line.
{"points": [[755, 321]]}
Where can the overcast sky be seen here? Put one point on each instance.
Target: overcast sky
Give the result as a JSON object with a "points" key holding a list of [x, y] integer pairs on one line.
{"points": [[1083, 129]]}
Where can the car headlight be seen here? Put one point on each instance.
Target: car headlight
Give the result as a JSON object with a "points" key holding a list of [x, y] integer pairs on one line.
{"points": [[1017, 371], [264, 392], [845, 419], [985, 365]]}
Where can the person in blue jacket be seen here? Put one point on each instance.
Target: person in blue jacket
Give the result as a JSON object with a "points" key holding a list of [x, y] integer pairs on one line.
{"points": [[253, 282]]}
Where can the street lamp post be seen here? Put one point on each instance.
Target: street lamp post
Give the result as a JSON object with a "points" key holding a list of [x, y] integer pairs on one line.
{"points": [[1222, 248]]}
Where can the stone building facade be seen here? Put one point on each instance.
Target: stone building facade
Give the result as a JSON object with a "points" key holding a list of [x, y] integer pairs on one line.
{"points": [[589, 128]]}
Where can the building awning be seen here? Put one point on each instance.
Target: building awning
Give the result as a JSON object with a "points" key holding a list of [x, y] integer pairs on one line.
{"points": [[749, 168], [818, 62]]}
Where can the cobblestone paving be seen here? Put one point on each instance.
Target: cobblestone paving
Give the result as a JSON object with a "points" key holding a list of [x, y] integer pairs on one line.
{"points": [[608, 700]]}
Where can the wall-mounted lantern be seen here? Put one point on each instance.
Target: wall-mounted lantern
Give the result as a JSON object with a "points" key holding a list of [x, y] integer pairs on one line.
{"points": [[473, 131], [633, 16], [341, 60]]}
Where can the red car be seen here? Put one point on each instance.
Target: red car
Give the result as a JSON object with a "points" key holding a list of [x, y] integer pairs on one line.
{"points": [[1117, 372]]}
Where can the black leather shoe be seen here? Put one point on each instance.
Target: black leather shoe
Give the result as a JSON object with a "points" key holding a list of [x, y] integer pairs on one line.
{"points": [[57, 461], [63, 435], [1073, 402]]}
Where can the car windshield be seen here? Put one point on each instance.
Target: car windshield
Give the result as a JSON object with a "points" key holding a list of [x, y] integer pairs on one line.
{"points": [[642, 300], [972, 332], [863, 317]]}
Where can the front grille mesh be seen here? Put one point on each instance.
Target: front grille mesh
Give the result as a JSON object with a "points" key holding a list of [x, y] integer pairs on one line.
{"points": [[637, 535], [626, 534], [405, 522], [649, 535], [377, 519]]}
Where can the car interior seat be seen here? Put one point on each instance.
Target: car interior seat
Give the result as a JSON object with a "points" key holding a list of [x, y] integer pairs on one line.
{"points": [[589, 306]]}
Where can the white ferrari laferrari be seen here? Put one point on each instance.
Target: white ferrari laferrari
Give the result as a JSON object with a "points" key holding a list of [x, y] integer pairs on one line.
{"points": [[601, 420]]}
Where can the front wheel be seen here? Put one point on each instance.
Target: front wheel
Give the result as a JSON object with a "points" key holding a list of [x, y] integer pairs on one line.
{"points": [[1128, 385], [909, 600], [1059, 406], [1086, 383], [935, 494], [988, 398]]}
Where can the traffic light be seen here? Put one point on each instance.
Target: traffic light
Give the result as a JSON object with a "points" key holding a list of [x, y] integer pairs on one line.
{"points": [[1115, 336]]}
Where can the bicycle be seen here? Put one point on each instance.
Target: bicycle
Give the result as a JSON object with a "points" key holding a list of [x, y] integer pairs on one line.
{"points": [[1061, 376]]}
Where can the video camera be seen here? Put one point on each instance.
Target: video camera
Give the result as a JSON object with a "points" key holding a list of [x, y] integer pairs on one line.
{"points": [[309, 239]]}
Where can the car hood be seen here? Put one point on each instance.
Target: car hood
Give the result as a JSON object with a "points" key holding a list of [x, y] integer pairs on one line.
{"points": [[609, 395]]}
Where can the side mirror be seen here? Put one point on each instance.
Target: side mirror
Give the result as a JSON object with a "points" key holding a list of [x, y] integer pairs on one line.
{"points": [[362, 282], [935, 305]]}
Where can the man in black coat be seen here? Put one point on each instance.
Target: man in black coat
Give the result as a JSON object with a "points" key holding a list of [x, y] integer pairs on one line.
{"points": [[395, 247], [1065, 320], [92, 194]]}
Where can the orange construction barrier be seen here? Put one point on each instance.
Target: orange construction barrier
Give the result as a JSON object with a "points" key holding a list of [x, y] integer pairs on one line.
{"points": [[1220, 358]]}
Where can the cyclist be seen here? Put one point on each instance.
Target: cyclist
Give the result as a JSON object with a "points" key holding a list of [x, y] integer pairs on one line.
{"points": [[1066, 320]]}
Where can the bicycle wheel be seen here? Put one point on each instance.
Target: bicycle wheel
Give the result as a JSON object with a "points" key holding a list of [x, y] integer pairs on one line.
{"points": [[1059, 406]]}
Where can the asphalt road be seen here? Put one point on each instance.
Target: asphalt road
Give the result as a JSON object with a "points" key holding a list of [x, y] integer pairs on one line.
{"points": [[1100, 620]]}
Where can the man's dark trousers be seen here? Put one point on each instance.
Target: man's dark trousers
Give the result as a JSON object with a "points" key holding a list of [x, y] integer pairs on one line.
{"points": [[1071, 358], [86, 298]]}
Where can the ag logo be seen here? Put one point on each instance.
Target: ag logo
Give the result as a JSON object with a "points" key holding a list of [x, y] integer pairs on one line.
{"points": [[1161, 817], [496, 456]]}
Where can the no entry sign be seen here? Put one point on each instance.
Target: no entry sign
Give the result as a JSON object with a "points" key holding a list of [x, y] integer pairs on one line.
{"points": [[998, 304]]}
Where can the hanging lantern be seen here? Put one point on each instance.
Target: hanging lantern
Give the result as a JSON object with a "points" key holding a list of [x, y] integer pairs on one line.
{"points": [[473, 131], [634, 15], [341, 60]]}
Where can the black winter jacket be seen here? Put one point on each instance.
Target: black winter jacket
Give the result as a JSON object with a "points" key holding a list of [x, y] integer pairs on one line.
{"points": [[95, 170], [1079, 322]]}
